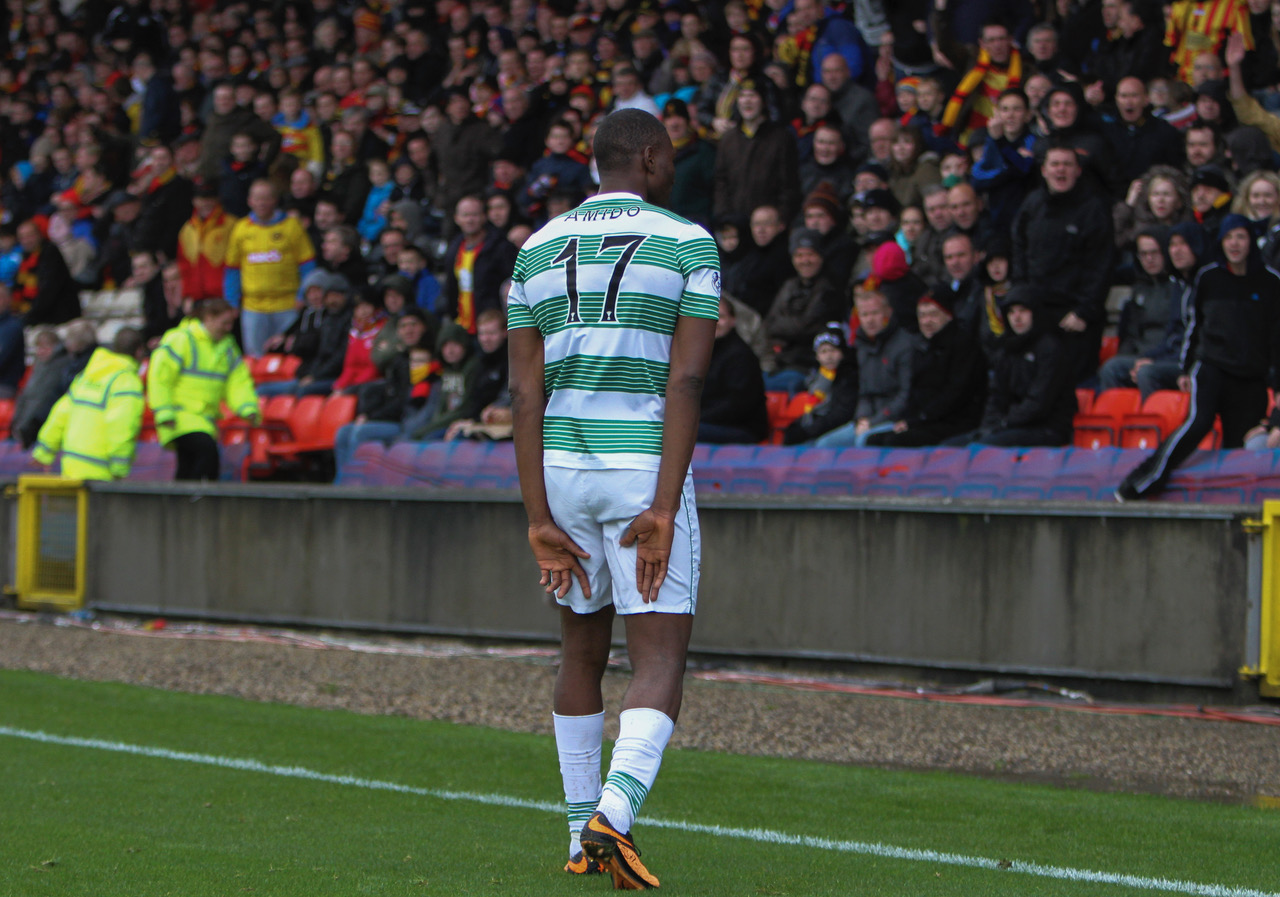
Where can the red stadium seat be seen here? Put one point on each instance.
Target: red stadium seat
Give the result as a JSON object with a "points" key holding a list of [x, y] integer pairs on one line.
{"points": [[1101, 426], [1161, 413], [317, 435], [1084, 401], [273, 367], [6, 417], [1110, 346]]}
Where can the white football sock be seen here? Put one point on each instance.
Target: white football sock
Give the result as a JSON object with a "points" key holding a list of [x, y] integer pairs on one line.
{"points": [[578, 741], [643, 734]]}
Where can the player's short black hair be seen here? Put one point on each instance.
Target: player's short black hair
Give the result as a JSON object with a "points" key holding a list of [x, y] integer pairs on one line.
{"points": [[622, 135]]}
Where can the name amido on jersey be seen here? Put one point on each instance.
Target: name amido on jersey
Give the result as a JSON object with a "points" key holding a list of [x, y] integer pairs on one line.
{"points": [[606, 214]]}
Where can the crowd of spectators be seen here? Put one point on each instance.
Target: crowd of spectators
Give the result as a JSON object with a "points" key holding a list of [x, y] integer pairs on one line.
{"points": [[921, 205]]}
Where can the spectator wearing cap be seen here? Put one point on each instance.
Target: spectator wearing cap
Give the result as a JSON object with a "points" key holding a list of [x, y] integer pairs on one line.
{"points": [[833, 382], [647, 56], [396, 292], [695, 165], [114, 235], [756, 162], [202, 244], [1231, 355], [1031, 399], [44, 292], [1210, 198], [757, 274], [801, 310], [733, 403], [885, 352], [870, 175], [823, 212], [948, 379], [829, 164], [1062, 247]]}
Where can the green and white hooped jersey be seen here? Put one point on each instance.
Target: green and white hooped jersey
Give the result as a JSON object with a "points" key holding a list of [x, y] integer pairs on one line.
{"points": [[604, 285]]}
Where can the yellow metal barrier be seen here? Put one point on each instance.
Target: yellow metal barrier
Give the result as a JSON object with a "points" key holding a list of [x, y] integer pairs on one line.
{"points": [[52, 525], [1268, 668]]}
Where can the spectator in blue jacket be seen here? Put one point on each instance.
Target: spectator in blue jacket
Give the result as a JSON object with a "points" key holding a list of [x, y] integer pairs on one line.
{"points": [[1006, 172]]}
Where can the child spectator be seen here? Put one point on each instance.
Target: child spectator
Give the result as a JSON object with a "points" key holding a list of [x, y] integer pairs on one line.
{"points": [[376, 204], [240, 169], [560, 169], [299, 135], [834, 383], [425, 289], [457, 367]]}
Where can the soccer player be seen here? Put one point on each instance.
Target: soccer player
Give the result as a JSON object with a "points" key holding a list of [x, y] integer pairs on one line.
{"points": [[612, 316]]}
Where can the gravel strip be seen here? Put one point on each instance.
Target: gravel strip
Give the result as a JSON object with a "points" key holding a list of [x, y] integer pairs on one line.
{"points": [[1180, 757]]}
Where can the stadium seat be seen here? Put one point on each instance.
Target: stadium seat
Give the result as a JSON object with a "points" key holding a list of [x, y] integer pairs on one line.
{"points": [[1162, 412], [776, 404], [1110, 346], [942, 472], [1101, 426], [6, 417], [1084, 401], [316, 435], [990, 468], [274, 367], [1033, 474], [1085, 475], [850, 472]]}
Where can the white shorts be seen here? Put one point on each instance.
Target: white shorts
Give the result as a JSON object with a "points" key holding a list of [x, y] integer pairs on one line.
{"points": [[595, 507]]}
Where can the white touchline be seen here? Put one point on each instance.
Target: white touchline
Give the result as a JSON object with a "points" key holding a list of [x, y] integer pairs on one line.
{"points": [[767, 836]]}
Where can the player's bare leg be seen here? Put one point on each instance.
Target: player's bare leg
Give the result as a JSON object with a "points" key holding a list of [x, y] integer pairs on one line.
{"points": [[579, 720], [657, 644]]}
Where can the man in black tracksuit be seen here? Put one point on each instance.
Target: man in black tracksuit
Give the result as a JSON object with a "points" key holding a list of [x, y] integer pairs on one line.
{"points": [[1062, 245], [1231, 350]]}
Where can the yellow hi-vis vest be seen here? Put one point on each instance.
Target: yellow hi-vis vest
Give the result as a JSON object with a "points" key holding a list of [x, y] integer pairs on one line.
{"points": [[191, 376], [95, 424]]}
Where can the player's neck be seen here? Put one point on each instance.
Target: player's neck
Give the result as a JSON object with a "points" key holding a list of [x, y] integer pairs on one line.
{"points": [[621, 183]]}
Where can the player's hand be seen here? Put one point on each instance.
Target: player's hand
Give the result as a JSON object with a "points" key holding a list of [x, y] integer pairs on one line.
{"points": [[651, 533], [557, 556]]}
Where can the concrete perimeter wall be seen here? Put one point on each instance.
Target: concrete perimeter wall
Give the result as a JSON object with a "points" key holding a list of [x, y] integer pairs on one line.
{"points": [[1156, 594]]}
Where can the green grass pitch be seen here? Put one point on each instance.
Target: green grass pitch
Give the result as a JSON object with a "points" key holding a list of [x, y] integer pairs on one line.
{"points": [[91, 819]]}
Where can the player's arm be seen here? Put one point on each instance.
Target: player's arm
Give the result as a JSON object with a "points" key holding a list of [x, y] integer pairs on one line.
{"points": [[557, 555], [654, 528]]}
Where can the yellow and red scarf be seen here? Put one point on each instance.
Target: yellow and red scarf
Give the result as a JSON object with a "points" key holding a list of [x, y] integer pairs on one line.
{"points": [[993, 79]]}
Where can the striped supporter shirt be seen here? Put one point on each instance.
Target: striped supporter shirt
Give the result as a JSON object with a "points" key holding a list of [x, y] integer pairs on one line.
{"points": [[604, 285]]}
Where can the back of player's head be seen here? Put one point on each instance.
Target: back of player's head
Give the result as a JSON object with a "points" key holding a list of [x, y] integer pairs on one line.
{"points": [[623, 135]]}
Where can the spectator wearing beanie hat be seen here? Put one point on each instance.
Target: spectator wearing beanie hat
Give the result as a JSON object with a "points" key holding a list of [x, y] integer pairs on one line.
{"points": [[802, 309], [878, 211], [948, 379], [824, 213], [695, 165], [834, 382]]}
